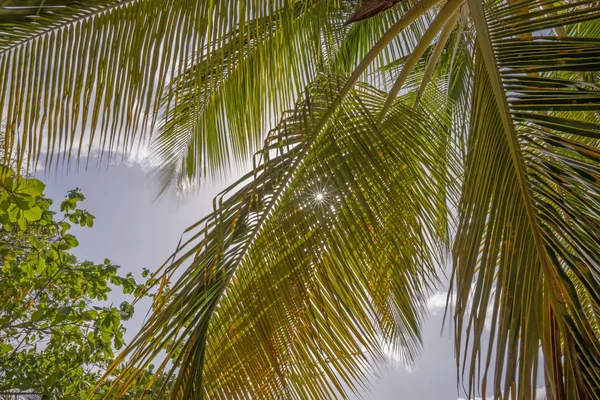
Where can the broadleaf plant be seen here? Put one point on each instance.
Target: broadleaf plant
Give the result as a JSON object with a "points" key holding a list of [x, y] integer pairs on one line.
{"points": [[58, 330]]}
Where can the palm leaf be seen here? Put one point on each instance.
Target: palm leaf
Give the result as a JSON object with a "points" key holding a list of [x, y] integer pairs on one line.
{"points": [[80, 75], [254, 74], [447, 12], [283, 297], [210, 108], [286, 293], [526, 254], [67, 64], [99, 74], [208, 278]]}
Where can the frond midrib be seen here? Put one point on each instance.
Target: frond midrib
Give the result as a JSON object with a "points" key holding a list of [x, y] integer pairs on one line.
{"points": [[392, 32], [63, 24], [486, 46]]}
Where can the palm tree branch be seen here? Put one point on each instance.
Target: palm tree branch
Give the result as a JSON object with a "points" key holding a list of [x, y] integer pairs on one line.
{"points": [[434, 28], [437, 52], [95, 82], [38, 18], [252, 217], [408, 18], [200, 90], [545, 126]]}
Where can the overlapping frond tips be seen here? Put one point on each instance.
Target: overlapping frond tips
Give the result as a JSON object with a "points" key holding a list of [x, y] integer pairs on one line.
{"points": [[72, 67], [211, 107], [446, 13], [218, 108], [314, 260], [80, 77], [527, 249], [324, 251]]}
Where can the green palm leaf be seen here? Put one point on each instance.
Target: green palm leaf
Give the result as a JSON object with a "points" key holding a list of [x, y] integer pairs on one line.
{"points": [[80, 75], [527, 246], [68, 66], [210, 108], [283, 297], [98, 75], [254, 74], [326, 249]]}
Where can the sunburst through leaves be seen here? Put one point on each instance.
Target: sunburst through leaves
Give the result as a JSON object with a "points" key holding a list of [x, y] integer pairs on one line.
{"points": [[319, 196]]}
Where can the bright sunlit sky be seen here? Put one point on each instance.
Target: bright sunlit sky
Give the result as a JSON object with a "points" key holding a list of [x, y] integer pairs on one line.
{"points": [[136, 232]]}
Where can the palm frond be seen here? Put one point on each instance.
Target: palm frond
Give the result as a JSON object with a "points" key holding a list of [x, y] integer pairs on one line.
{"points": [[238, 88], [314, 260], [437, 24], [233, 91], [436, 53], [527, 249], [359, 39], [79, 76], [69, 66], [326, 249], [98, 75]]}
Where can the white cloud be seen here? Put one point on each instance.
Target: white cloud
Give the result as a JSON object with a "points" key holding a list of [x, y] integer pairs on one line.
{"points": [[397, 358], [436, 304]]}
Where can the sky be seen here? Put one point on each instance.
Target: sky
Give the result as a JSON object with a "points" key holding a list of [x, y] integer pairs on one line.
{"points": [[135, 231]]}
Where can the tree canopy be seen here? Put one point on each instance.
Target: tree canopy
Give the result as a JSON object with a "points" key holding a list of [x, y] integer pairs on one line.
{"points": [[403, 134], [58, 329]]}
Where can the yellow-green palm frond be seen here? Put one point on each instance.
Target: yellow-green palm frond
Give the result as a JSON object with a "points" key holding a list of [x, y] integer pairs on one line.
{"points": [[71, 68], [79, 76], [211, 107], [314, 262], [359, 38], [239, 87], [527, 248], [325, 250]]}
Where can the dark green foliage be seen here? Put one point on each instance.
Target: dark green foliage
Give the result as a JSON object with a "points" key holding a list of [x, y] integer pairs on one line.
{"points": [[58, 329]]}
